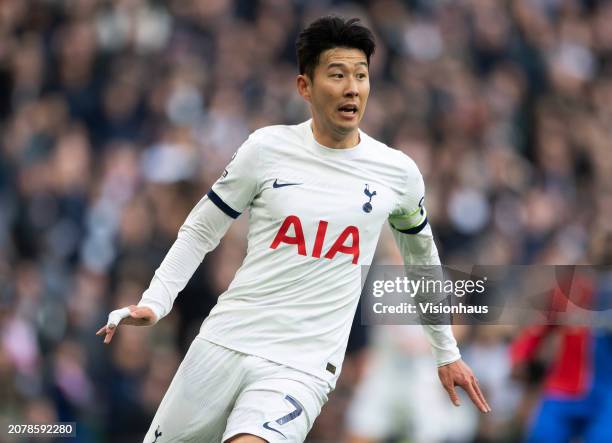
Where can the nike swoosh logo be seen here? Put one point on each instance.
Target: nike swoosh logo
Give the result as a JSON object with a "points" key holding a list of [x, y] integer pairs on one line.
{"points": [[286, 418], [276, 184], [267, 426]]}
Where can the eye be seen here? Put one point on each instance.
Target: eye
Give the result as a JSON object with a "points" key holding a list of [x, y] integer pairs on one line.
{"points": [[361, 76], [337, 75]]}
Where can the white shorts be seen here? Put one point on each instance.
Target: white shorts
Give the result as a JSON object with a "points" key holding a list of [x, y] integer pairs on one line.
{"points": [[218, 393]]}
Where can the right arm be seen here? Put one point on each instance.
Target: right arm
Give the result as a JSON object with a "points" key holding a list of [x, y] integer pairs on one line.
{"points": [[200, 234], [206, 224]]}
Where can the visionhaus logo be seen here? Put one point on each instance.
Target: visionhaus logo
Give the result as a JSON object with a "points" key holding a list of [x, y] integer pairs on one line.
{"points": [[428, 308]]}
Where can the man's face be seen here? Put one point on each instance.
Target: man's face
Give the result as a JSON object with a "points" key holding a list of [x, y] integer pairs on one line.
{"points": [[339, 90]]}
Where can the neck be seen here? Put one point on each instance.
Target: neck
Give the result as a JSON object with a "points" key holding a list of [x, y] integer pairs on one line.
{"points": [[333, 139]]}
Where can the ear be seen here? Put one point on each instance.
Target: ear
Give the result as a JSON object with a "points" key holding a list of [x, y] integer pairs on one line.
{"points": [[304, 84]]}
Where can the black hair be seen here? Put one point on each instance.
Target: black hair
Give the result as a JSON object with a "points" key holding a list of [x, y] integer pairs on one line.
{"points": [[331, 32]]}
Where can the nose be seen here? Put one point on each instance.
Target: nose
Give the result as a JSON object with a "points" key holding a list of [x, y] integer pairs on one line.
{"points": [[351, 88]]}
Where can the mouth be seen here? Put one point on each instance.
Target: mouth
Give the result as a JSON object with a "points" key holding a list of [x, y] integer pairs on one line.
{"points": [[348, 111]]}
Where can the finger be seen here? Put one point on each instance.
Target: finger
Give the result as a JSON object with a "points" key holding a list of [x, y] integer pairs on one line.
{"points": [[109, 335], [469, 388], [452, 393], [101, 331], [481, 395]]}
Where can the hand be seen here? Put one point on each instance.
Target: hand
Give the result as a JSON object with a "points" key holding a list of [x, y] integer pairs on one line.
{"points": [[132, 315], [459, 374]]}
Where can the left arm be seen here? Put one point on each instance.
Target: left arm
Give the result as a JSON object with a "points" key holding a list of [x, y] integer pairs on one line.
{"points": [[420, 249], [415, 241]]}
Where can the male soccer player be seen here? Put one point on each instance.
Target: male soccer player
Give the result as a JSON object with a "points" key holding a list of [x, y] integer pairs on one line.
{"points": [[318, 194]]}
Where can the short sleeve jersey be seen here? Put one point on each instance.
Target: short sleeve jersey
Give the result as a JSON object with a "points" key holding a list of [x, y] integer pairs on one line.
{"points": [[315, 215]]}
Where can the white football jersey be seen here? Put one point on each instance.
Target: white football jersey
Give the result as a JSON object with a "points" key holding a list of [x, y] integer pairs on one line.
{"points": [[315, 215]]}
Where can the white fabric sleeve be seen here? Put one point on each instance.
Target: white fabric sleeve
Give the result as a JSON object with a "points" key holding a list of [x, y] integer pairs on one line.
{"points": [[205, 226], [420, 249], [409, 215], [415, 241], [234, 191]]}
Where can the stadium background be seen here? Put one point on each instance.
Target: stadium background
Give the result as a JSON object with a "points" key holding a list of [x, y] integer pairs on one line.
{"points": [[116, 117]]}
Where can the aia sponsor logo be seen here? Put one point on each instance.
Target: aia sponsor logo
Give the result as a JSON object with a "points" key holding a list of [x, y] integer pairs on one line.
{"points": [[346, 243]]}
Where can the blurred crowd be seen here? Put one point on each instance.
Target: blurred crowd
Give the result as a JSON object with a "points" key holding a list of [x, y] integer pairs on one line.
{"points": [[117, 116]]}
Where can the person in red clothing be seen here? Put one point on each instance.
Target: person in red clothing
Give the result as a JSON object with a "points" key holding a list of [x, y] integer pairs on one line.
{"points": [[577, 390]]}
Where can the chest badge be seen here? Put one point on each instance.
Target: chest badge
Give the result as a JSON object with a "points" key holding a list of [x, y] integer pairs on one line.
{"points": [[367, 206]]}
